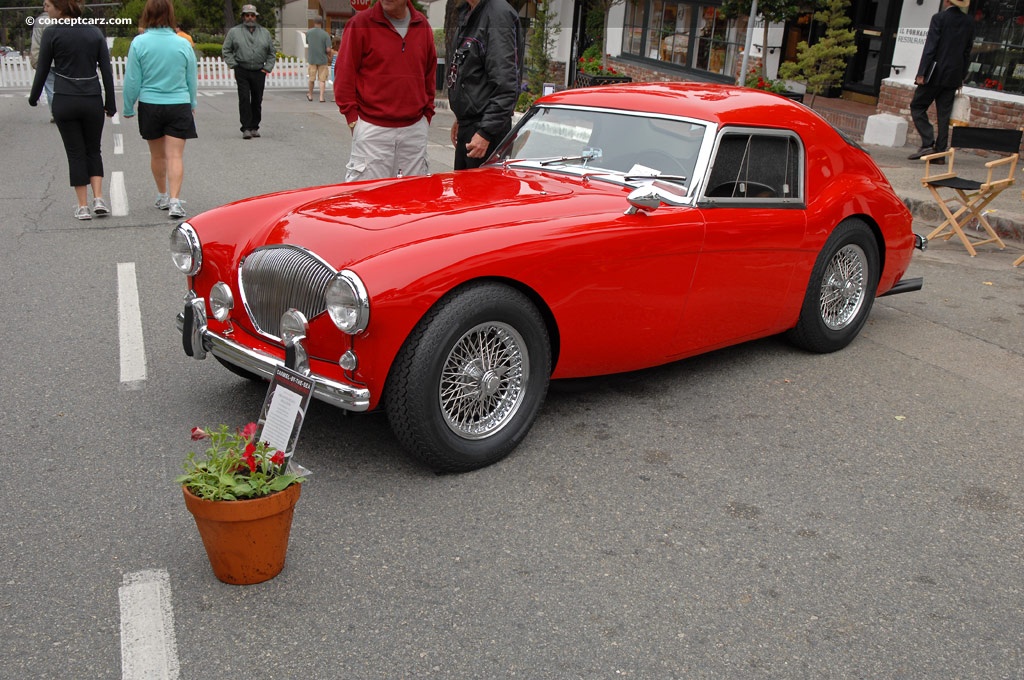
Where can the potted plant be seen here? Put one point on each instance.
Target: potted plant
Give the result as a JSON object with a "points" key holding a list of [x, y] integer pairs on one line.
{"points": [[242, 497], [591, 71], [823, 65]]}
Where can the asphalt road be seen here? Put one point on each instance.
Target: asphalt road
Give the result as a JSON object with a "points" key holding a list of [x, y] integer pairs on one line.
{"points": [[755, 512]]}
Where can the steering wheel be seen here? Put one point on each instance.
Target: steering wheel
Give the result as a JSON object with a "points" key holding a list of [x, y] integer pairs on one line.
{"points": [[752, 190]]}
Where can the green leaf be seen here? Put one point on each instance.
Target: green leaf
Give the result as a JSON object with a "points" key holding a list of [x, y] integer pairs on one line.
{"points": [[281, 483]]}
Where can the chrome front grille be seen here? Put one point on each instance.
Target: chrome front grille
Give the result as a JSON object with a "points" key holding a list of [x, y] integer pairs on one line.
{"points": [[278, 278]]}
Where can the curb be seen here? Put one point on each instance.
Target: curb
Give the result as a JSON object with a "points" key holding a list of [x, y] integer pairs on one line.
{"points": [[1008, 227]]}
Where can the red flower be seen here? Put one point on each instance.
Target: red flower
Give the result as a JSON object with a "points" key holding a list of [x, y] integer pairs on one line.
{"points": [[248, 456], [277, 458], [198, 433], [248, 431]]}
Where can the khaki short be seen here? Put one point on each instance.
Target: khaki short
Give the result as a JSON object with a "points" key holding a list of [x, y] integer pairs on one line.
{"points": [[319, 72]]}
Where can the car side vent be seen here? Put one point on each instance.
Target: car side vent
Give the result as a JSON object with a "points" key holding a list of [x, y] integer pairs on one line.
{"points": [[278, 278]]}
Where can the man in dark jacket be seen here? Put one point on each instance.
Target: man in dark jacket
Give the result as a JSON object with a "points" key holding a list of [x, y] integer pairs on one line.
{"points": [[947, 53], [484, 72], [249, 51]]}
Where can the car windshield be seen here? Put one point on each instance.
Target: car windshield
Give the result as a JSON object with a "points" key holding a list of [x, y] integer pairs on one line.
{"points": [[599, 140]]}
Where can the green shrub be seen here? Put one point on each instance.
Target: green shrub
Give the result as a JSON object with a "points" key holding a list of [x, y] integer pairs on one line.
{"points": [[525, 101], [120, 47], [209, 49]]}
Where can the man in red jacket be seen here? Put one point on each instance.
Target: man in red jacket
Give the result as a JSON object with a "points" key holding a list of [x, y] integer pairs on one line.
{"points": [[384, 85]]}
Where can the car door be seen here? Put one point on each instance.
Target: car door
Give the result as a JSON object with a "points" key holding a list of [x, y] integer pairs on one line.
{"points": [[754, 213]]}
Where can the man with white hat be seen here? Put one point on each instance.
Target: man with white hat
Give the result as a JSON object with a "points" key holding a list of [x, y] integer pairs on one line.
{"points": [[947, 53], [249, 52]]}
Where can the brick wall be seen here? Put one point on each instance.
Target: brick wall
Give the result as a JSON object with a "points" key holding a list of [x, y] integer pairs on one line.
{"points": [[641, 74], [985, 111]]}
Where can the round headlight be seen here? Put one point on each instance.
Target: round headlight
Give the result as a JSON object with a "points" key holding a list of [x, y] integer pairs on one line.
{"points": [[347, 303], [186, 252], [221, 301]]}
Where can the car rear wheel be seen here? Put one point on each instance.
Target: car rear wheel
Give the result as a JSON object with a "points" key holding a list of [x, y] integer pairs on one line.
{"points": [[841, 290], [467, 384]]}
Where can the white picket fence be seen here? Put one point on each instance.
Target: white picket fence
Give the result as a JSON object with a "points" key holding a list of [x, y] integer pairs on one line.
{"points": [[212, 72]]}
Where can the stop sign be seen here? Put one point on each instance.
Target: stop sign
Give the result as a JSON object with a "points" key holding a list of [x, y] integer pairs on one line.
{"points": [[358, 5]]}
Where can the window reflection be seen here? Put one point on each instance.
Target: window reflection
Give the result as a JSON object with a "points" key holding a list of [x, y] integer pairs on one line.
{"points": [[688, 35]]}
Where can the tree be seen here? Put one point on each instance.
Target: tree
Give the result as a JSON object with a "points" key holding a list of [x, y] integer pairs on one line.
{"points": [[823, 64], [543, 33], [604, 7], [773, 11]]}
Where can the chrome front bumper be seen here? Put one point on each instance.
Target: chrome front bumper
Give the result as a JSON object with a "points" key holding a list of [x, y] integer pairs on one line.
{"points": [[197, 341]]}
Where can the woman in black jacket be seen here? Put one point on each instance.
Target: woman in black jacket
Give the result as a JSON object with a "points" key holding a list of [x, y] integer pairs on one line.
{"points": [[73, 51]]}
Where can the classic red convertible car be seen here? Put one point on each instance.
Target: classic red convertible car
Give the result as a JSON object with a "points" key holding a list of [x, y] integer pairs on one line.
{"points": [[615, 228]]}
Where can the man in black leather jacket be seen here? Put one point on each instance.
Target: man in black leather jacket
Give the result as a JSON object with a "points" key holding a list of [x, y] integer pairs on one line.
{"points": [[485, 63], [947, 52]]}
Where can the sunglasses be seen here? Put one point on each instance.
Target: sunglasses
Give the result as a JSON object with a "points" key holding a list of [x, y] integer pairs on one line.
{"points": [[248, 15]]}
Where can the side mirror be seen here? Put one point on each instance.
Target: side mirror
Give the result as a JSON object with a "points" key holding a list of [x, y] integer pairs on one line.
{"points": [[645, 198]]}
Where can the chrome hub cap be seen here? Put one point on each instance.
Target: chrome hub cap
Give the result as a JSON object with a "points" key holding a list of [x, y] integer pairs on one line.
{"points": [[483, 380], [843, 287]]}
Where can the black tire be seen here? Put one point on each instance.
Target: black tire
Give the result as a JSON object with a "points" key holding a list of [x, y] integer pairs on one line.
{"points": [[240, 372], [467, 384], [841, 290]]}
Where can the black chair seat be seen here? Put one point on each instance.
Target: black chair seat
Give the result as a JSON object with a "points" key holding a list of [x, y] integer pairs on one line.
{"points": [[957, 183]]}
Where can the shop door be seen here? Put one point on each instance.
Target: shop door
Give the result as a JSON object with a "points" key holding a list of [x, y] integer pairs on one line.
{"points": [[874, 23]]}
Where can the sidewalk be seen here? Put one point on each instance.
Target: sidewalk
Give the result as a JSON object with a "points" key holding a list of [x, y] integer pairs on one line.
{"points": [[1006, 213]]}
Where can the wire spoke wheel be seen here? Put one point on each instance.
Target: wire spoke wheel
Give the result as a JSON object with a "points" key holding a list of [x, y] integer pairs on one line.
{"points": [[483, 380], [844, 287]]}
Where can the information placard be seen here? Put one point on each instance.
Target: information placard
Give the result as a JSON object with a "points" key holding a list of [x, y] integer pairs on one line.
{"points": [[284, 410]]}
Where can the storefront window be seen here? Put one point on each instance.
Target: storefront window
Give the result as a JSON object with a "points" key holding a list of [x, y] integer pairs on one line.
{"points": [[685, 34], [997, 60]]}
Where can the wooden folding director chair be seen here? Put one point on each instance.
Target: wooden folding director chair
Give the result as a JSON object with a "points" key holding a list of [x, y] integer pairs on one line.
{"points": [[971, 196], [1020, 260]]}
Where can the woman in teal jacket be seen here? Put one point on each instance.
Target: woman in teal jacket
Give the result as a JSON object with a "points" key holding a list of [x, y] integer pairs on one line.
{"points": [[161, 76]]}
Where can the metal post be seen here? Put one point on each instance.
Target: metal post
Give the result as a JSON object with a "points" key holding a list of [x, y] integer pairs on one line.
{"points": [[750, 37]]}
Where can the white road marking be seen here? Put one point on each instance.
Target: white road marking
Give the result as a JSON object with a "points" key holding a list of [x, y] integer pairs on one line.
{"points": [[116, 119], [148, 647], [133, 353], [118, 194], [118, 144]]}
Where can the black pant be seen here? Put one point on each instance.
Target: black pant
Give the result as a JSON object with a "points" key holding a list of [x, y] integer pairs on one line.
{"points": [[250, 97], [466, 132], [943, 97], [80, 121]]}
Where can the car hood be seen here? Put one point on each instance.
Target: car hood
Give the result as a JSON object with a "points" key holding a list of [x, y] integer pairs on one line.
{"points": [[395, 203]]}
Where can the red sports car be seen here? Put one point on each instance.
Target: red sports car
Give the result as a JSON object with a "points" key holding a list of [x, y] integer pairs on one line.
{"points": [[615, 228]]}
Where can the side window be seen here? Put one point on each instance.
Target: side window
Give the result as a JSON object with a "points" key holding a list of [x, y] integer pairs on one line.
{"points": [[756, 166]]}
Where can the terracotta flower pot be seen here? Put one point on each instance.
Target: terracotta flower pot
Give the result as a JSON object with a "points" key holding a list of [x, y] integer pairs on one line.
{"points": [[246, 541]]}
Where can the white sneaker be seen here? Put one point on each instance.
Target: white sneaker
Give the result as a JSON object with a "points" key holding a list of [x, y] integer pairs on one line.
{"points": [[99, 207], [162, 201], [82, 213], [174, 208]]}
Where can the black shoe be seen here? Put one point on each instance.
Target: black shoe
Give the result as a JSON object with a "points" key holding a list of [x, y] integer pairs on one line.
{"points": [[246, 134], [923, 151]]}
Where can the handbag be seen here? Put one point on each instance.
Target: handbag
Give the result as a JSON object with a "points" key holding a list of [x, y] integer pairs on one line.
{"points": [[961, 114]]}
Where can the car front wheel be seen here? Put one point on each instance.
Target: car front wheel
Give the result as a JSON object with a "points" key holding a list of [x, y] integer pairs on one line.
{"points": [[467, 384], [841, 290]]}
